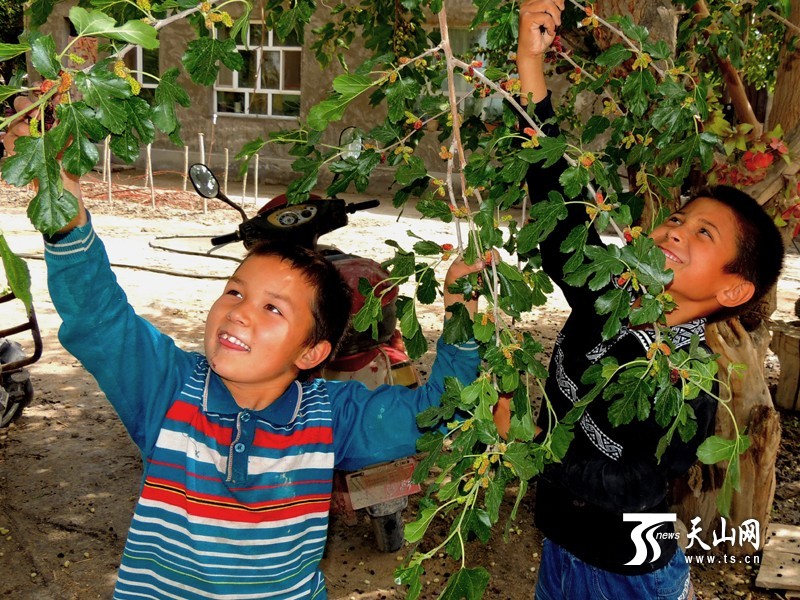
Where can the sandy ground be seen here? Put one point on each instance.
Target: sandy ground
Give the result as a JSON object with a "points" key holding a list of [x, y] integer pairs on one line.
{"points": [[69, 475]]}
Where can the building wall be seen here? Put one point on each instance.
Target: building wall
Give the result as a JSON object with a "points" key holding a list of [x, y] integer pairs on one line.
{"points": [[233, 131]]}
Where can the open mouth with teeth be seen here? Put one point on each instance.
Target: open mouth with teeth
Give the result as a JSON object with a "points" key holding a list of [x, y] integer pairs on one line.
{"points": [[230, 341], [670, 255]]}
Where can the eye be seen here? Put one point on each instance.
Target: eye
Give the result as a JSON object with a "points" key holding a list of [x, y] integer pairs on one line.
{"points": [[233, 292], [274, 309], [705, 232], [674, 219]]}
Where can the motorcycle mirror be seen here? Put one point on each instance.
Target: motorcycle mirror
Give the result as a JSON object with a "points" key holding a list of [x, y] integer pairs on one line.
{"points": [[350, 142], [205, 183]]}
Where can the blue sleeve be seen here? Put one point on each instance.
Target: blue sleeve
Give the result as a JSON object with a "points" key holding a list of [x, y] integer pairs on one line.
{"points": [[138, 368], [373, 426]]}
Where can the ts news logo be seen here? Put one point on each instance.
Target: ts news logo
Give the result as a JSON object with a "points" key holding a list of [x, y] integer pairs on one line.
{"points": [[646, 534]]}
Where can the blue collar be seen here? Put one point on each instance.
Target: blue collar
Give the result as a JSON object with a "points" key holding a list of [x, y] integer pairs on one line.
{"points": [[218, 399]]}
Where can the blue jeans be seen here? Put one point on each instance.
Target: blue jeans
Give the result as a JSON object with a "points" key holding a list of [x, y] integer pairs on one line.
{"points": [[563, 576]]}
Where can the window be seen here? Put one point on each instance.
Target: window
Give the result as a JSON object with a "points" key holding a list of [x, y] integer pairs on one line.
{"points": [[147, 62], [269, 82]]}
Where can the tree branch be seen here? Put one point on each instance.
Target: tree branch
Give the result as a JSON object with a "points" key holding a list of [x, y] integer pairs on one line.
{"points": [[733, 81]]}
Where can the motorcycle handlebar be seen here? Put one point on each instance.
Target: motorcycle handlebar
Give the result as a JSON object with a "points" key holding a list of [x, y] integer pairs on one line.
{"points": [[351, 208], [225, 239]]}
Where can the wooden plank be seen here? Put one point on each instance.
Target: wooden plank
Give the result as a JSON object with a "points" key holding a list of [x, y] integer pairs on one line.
{"points": [[780, 562], [786, 345]]}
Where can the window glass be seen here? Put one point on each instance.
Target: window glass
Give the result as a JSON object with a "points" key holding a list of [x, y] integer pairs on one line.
{"points": [[269, 82], [291, 70]]}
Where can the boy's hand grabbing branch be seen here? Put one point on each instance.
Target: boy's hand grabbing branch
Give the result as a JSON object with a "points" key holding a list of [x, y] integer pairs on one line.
{"points": [[21, 128]]}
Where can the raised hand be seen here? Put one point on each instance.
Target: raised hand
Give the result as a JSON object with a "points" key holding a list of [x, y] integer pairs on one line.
{"points": [[538, 22]]}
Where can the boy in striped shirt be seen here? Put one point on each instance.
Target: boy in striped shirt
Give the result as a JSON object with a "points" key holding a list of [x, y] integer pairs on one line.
{"points": [[238, 450]]}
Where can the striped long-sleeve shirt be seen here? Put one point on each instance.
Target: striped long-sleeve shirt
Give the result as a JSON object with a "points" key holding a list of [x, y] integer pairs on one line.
{"points": [[234, 502]]}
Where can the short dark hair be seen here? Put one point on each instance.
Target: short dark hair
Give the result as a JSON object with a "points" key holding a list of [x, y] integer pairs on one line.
{"points": [[330, 308], [759, 258]]}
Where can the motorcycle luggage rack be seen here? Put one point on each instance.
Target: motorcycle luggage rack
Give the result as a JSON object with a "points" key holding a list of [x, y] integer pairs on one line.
{"points": [[31, 325]]}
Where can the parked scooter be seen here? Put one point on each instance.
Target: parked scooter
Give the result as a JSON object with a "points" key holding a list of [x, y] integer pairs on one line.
{"points": [[16, 389], [382, 490]]}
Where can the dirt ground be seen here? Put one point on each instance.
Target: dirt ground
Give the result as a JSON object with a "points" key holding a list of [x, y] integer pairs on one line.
{"points": [[69, 475]]}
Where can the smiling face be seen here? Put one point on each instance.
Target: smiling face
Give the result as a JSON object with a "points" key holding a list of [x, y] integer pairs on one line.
{"points": [[257, 332], [699, 242]]}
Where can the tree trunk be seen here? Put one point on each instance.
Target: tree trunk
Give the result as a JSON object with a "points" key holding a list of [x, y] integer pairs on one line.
{"points": [[785, 108], [750, 402]]}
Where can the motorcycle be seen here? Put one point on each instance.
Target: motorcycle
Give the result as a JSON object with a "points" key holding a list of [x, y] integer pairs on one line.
{"points": [[16, 389], [382, 490]]}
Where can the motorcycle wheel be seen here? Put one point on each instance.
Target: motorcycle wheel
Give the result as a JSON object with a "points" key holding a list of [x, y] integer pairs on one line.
{"points": [[15, 394]]}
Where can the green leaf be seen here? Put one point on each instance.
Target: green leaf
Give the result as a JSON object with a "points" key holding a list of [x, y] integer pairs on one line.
{"points": [[412, 577], [167, 95], [604, 262], [95, 23], [203, 55], [636, 91], [550, 151], [409, 323], [17, 274], [35, 158], [649, 311], [370, 313], [596, 125], [102, 91], [351, 85], [524, 466], [636, 389], [44, 58], [466, 584], [427, 286], [404, 88], [716, 449], [614, 56], [481, 396], [139, 118], [458, 327], [6, 92], [125, 146], [9, 51], [616, 304], [39, 11], [416, 529], [413, 170], [77, 121], [544, 216], [574, 179]]}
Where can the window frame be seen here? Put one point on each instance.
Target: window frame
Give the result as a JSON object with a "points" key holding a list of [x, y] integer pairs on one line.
{"points": [[258, 89]]}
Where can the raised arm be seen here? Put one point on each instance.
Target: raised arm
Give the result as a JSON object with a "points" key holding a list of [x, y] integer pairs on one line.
{"points": [[538, 21]]}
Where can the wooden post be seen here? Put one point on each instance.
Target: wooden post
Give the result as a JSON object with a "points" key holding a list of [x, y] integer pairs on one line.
{"points": [[786, 344], [255, 184], [150, 176], [203, 161], [244, 189], [185, 166], [108, 165], [225, 175], [105, 159]]}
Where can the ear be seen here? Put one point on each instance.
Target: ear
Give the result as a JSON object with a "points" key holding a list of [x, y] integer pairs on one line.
{"points": [[313, 355], [737, 293]]}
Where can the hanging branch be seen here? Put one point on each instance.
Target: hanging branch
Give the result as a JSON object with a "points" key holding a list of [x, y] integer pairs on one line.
{"points": [[733, 80]]}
